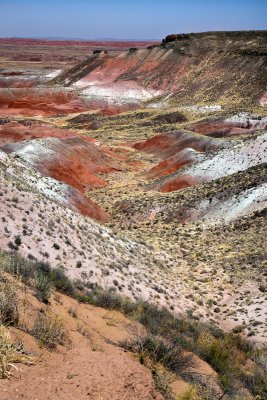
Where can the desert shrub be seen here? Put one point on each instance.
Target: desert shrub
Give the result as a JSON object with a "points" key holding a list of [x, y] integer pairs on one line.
{"points": [[43, 267], [225, 352], [163, 384], [61, 282], [16, 265], [158, 351], [18, 241], [9, 313], [256, 382], [222, 355], [215, 352], [49, 330], [107, 299], [73, 312], [43, 287]]}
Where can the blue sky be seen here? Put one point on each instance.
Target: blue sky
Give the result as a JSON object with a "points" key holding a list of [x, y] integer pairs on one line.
{"points": [[140, 19]]}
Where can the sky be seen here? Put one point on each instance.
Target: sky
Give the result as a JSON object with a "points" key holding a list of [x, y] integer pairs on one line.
{"points": [[122, 19]]}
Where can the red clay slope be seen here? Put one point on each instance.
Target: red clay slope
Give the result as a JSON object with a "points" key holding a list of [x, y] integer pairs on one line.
{"points": [[39, 101], [243, 123], [75, 160], [30, 129], [65, 156], [240, 155], [71, 160], [177, 149]]}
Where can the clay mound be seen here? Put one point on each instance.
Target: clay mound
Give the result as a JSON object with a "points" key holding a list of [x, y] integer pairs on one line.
{"points": [[71, 160], [104, 68], [116, 97], [217, 164], [239, 124], [169, 144], [172, 164], [177, 149], [60, 192], [37, 101], [11, 131]]}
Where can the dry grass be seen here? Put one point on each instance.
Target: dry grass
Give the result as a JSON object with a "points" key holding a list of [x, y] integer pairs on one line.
{"points": [[8, 354], [190, 394], [9, 313]]}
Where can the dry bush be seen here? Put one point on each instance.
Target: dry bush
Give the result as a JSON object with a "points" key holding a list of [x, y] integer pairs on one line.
{"points": [[49, 330], [163, 381], [157, 350], [9, 313]]}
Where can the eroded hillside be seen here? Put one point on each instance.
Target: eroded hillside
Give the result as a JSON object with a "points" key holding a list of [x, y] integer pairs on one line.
{"points": [[229, 68], [144, 171]]}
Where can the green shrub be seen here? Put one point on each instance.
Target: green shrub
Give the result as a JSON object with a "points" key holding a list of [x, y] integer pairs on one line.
{"points": [[18, 241], [61, 282], [163, 384], [107, 299], [43, 287]]}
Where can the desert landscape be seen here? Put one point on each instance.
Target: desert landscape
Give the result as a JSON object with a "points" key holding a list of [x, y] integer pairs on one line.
{"points": [[133, 192]]}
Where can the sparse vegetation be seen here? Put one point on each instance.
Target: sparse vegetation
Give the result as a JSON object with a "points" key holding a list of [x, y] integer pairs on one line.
{"points": [[179, 249], [168, 338], [49, 330]]}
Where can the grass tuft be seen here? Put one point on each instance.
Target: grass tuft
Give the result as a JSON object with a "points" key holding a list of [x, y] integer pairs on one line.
{"points": [[8, 354]]}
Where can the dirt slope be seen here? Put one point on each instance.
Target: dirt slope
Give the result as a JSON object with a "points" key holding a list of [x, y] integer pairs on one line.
{"points": [[91, 365]]}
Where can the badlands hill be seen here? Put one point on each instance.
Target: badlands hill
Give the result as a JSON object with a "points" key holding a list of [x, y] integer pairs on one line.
{"points": [[140, 175], [229, 67]]}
